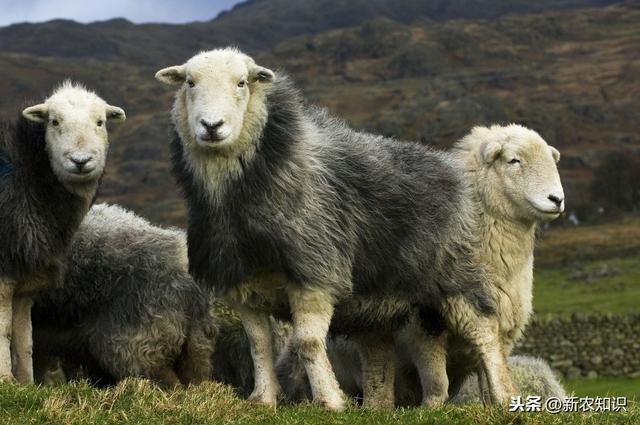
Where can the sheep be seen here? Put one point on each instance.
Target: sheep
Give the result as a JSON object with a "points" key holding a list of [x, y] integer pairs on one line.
{"points": [[51, 162], [128, 306], [293, 213], [516, 185], [531, 376]]}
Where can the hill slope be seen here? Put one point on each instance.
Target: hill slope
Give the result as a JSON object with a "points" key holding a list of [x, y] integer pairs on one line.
{"points": [[574, 75], [252, 25]]}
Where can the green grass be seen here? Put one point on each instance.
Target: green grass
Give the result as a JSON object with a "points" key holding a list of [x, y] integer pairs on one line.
{"points": [[137, 401], [556, 294], [626, 387]]}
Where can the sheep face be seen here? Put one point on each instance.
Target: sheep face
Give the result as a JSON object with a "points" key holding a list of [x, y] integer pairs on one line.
{"points": [[520, 178], [76, 134], [220, 107]]}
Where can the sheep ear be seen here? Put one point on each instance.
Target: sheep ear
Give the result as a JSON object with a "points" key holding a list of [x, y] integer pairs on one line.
{"points": [[491, 151], [116, 114], [37, 113], [261, 74], [555, 153], [172, 75]]}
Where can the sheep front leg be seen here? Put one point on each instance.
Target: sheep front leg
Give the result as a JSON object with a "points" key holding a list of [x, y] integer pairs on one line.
{"points": [[494, 367], [428, 354], [312, 312], [483, 387], [482, 333], [6, 301], [22, 339], [378, 359], [258, 328]]}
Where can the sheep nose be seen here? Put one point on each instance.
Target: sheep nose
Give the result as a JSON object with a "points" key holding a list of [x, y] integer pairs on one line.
{"points": [[212, 129], [556, 199], [80, 161]]}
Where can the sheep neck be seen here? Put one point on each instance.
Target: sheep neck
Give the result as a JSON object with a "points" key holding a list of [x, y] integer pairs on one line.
{"points": [[508, 244]]}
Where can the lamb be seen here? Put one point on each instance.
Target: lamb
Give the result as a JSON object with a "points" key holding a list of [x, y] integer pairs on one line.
{"points": [[293, 213], [516, 185], [128, 306], [51, 162]]}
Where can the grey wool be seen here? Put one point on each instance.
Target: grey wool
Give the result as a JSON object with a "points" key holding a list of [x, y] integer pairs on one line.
{"points": [[128, 306]]}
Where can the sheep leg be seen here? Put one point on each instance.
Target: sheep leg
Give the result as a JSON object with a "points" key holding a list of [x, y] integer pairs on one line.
{"points": [[428, 354], [258, 328], [483, 387], [482, 333], [312, 312], [22, 339], [166, 378], [6, 301], [377, 356], [495, 369]]}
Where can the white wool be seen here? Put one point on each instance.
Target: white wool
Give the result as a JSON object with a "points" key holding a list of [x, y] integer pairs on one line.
{"points": [[514, 199]]}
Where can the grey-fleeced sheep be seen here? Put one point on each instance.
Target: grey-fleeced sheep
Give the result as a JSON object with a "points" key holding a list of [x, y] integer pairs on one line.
{"points": [[128, 306], [291, 211], [51, 162]]}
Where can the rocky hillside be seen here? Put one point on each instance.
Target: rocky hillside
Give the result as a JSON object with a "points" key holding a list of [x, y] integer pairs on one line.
{"points": [[425, 70]]}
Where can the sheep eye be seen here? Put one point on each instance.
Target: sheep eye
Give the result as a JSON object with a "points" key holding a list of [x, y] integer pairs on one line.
{"points": [[242, 83], [514, 161], [55, 123], [99, 123], [190, 83]]}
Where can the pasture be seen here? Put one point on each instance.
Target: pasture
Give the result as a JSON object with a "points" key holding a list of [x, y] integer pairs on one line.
{"points": [[137, 401]]}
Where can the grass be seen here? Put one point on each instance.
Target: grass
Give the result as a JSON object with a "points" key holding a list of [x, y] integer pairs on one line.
{"points": [[597, 286], [626, 387], [138, 401]]}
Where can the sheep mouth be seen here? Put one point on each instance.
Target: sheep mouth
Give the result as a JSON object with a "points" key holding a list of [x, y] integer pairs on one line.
{"points": [[550, 212], [209, 140], [81, 176]]}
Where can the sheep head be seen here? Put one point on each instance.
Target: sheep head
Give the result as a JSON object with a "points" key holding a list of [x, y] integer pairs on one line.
{"points": [[516, 172], [75, 134], [220, 105]]}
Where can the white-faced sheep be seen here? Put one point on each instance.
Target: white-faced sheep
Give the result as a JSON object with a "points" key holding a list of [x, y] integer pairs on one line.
{"points": [[516, 185], [290, 210], [128, 306], [51, 162]]}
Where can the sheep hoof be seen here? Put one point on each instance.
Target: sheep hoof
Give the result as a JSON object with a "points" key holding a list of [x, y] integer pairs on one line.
{"points": [[264, 397], [434, 401], [336, 403], [8, 378]]}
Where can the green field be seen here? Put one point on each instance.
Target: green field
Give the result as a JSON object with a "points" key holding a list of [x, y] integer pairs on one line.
{"points": [[626, 387], [137, 401], [596, 286]]}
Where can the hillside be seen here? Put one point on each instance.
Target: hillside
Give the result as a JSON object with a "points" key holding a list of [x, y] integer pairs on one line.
{"points": [[252, 25], [571, 74]]}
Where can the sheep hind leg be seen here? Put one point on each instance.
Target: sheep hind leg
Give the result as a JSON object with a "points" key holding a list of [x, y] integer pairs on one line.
{"points": [[428, 353], [377, 356], [22, 339], [6, 301], [266, 387], [312, 312]]}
